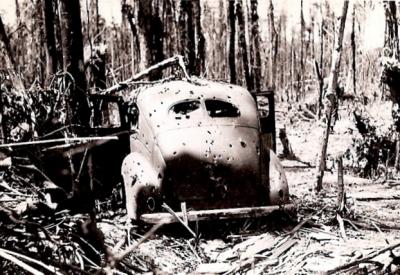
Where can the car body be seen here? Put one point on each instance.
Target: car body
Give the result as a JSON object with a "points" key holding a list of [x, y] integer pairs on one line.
{"points": [[206, 144]]}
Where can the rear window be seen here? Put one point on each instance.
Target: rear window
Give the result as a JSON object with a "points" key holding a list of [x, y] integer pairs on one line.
{"points": [[185, 109], [219, 108]]}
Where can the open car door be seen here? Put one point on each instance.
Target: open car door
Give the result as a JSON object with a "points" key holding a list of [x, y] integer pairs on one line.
{"points": [[266, 112]]}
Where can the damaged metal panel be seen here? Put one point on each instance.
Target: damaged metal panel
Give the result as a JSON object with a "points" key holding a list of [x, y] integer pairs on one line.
{"points": [[202, 144]]}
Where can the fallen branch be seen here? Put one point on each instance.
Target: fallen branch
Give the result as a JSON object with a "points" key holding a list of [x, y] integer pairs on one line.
{"points": [[20, 263], [48, 141], [114, 260], [303, 222], [175, 60], [52, 269], [362, 260]]}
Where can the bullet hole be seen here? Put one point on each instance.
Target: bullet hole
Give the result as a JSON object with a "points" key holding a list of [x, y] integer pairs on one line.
{"points": [[215, 156], [138, 163], [206, 155], [228, 158], [158, 126], [151, 204], [174, 153], [219, 156], [212, 142], [191, 92], [229, 97], [150, 114], [243, 144], [230, 145], [184, 144], [162, 102], [231, 87], [209, 132], [155, 110]]}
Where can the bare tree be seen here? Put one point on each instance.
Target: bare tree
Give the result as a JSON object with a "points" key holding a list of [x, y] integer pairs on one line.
{"points": [[331, 101], [273, 45], [72, 46], [152, 29], [191, 36], [243, 46], [256, 44], [353, 47], [50, 47], [232, 35]]}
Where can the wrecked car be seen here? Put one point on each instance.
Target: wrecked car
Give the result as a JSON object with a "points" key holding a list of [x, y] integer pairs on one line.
{"points": [[208, 145]]}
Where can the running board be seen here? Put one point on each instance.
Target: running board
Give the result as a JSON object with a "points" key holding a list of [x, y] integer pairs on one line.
{"points": [[216, 214]]}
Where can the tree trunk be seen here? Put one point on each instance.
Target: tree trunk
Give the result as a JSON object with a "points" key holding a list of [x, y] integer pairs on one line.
{"points": [[391, 29], [127, 11], [72, 47], [302, 30], [256, 42], [152, 28], [232, 35], [50, 48], [320, 79], [191, 36], [353, 48], [199, 39], [243, 46], [331, 93], [341, 196], [6, 42], [273, 45]]}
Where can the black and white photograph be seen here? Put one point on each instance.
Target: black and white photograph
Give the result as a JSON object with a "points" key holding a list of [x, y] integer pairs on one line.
{"points": [[199, 137]]}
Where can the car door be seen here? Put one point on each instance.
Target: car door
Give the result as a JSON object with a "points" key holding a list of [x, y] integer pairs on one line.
{"points": [[108, 119]]}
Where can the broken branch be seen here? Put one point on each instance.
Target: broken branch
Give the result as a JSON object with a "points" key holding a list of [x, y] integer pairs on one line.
{"points": [[178, 59], [362, 260]]}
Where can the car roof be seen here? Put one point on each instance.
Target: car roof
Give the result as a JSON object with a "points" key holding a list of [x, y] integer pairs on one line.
{"points": [[155, 101]]}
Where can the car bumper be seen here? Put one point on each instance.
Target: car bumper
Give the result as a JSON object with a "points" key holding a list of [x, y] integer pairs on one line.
{"points": [[215, 214]]}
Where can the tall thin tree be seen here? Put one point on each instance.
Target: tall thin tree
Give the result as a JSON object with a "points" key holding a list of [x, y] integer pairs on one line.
{"points": [[232, 38], [331, 93]]}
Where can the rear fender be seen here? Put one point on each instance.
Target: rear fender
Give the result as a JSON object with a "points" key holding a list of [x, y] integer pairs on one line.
{"points": [[278, 185], [142, 185]]}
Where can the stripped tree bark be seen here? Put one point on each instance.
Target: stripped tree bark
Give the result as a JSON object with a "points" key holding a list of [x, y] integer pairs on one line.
{"points": [[331, 101]]}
